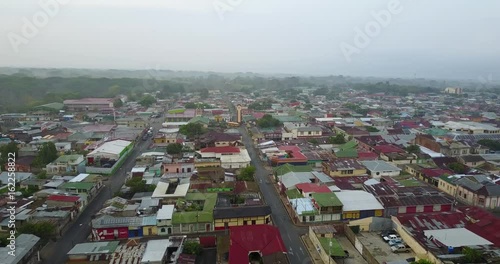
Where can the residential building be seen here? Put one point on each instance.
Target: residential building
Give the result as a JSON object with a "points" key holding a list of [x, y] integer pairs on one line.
{"points": [[227, 217], [359, 205], [66, 164], [92, 251], [328, 205], [476, 190], [379, 168], [88, 104], [343, 168], [26, 251], [164, 219]]}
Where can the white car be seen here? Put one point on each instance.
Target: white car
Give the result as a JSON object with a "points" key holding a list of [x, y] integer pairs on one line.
{"points": [[390, 237]]}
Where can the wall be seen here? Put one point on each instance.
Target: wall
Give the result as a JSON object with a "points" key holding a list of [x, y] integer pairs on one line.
{"points": [[323, 254], [420, 251], [360, 247]]}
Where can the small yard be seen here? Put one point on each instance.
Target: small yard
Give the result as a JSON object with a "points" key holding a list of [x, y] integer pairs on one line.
{"points": [[336, 249]]}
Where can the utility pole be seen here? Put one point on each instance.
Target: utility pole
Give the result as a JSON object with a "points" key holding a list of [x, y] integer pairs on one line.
{"points": [[330, 251]]}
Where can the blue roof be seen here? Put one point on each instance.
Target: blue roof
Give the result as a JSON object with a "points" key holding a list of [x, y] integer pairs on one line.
{"points": [[149, 220]]}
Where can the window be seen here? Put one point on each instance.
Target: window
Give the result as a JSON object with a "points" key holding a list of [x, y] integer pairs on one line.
{"points": [[311, 218], [254, 222]]}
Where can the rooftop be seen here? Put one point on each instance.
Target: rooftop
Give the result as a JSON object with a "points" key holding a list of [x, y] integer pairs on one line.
{"points": [[326, 199], [94, 248]]}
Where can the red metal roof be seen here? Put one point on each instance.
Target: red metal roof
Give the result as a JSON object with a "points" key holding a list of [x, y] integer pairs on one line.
{"points": [[388, 149], [313, 188], [265, 239], [436, 172], [63, 198], [227, 149], [367, 156]]}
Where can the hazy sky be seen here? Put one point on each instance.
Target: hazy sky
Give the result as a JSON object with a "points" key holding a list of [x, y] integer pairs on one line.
{"points": [[429, 38]]}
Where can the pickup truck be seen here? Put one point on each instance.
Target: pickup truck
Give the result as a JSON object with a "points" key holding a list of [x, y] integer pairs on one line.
{"points": [[398, 248]]}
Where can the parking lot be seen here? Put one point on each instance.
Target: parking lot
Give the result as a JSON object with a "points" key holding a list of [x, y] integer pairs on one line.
{"points": [[380, 249]]}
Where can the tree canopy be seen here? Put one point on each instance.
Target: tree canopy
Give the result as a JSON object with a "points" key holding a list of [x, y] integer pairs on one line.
{"points": [[492, 144], [192, 248], [371, 129], [192, 130], [191, 105], [174, 148], [268, 121], [247, 174], [42, 229], [137, 184], [11, 147], [46, 154], [457, 167], [147, 100], [337, 139], [414, 149], [117, 103], [262, 105]]}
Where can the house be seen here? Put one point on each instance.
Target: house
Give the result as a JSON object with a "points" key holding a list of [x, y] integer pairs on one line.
{"points": [[230, 157], [472, 161], [93, 251], [22, 164], [359, 204], [107, 227], [202, 120], [26, 250], [133, 122], [180, 115], [19, 177], [225, 218], [265, 243], [307, 189], [88, 104], [216, 139], [454, 148], [302, 130], [343, 168], [394, 154], [88, 188], [149, 227], [199, 214], [475, 190], [328, 206], [156, 252], [379, 168], [66, 164], [164, 219], [65, 202]]}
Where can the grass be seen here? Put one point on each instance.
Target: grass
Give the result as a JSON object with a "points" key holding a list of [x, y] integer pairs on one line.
{"points": [[336, 249], [293, 194]]}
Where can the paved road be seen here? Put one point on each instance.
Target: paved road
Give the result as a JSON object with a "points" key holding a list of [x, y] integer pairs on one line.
{"points": [[297, 252], [79, 230]]}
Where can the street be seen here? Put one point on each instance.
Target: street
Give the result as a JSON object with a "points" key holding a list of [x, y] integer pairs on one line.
{"points": [[79, 230], [289, 232]]}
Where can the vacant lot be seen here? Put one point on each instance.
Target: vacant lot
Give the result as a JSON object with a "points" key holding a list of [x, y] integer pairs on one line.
{"points": [[380, 249]]}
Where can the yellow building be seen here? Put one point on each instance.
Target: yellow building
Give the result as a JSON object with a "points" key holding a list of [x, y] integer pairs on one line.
{"points": [[240, 216], [447, 185], [344, 168]]}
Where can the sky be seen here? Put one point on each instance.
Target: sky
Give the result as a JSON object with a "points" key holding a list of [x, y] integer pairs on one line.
{"points": [[453, 39]]}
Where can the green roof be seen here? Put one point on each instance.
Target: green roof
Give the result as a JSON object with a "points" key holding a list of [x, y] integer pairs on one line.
{"points": [[293, 194], [448, 179], [203, 216], [336, 249], [347, 153], [199, 119], [78, 185], [176, 111], [286, 168], [326, 199], [349, 145], [436, 131]]}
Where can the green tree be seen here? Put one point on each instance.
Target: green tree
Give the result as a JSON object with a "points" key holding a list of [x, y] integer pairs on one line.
{"points": [[338, 139], [414, 149], [371, 129], [492, 144], [43, 229], [6, 150], [117, 103], [192, 248], [137, 184], [204, 93], [268, 121], [247, 174], [147, 100], [192, 130], [174, 148], [472, 255], [46, 154], [457, 167]]}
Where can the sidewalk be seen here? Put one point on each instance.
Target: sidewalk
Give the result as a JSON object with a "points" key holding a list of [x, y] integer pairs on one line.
{"points": [[313, 253]]}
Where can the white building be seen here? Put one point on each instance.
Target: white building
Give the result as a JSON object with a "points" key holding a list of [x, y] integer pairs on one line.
{"points": [[379, 168], [112, 150]]}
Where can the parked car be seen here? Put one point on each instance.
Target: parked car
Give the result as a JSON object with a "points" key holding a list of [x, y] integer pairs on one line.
{"points": [[410, 260], [390, 237], [387, 233], [394, 242], [400, 248]]}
